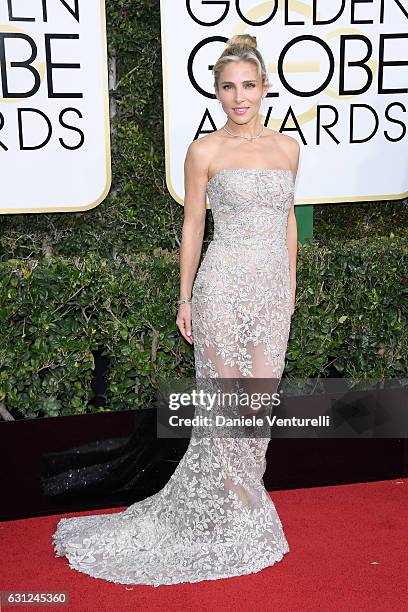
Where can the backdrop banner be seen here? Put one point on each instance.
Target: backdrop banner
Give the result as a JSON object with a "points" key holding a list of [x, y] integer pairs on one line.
{"points": [[54, 105], [338, 75]]}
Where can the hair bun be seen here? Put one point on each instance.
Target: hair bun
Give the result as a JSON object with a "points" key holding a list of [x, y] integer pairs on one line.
{"points": [[242, 40]]}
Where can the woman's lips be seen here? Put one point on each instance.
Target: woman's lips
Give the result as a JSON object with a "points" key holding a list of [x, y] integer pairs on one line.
{"points": [[240, 111]]}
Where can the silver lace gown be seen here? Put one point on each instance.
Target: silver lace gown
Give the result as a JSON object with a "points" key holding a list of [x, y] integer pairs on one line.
{"points": [[214, 518]]}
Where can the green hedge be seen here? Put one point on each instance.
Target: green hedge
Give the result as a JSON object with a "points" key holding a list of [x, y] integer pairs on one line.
{"points": [[349, 321], [56, 316]]}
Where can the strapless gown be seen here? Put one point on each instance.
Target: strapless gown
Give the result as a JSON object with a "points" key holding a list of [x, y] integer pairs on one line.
{"points": [[214, 518]]}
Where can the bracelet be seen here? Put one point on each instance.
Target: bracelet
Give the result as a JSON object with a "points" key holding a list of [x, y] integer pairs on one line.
{"points": [[184, 301]]}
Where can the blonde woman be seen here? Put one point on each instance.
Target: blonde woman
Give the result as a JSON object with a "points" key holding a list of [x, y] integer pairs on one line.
{"points": [[214, 518]]}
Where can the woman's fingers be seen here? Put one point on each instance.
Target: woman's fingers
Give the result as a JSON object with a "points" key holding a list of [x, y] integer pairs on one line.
{"points": [[184, 323], [189, 335]]}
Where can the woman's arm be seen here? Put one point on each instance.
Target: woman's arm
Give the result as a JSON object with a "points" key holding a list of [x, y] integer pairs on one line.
{"points": [[292, 233], [195, 183]]}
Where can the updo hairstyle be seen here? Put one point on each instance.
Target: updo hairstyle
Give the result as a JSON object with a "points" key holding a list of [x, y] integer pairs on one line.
{"points": [[241, 47]]}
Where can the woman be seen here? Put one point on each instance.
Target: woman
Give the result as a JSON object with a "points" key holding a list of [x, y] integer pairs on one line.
{"points": [[214, 518]]}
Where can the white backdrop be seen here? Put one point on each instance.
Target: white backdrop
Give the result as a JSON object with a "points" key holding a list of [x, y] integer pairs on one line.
{"points": [[360, 94], [70, 169]]}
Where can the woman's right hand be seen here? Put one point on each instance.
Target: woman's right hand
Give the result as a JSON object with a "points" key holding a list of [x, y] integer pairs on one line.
{"points": [[183, 322]]}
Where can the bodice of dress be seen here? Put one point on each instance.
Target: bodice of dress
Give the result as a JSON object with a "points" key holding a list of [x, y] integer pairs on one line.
{"points": [[251, 204]]}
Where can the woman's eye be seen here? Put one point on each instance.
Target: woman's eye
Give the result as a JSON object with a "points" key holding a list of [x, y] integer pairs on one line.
{"points": [[249, 85]]}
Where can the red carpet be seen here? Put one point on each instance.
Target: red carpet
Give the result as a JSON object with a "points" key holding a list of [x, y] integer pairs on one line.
{"points": [[348, 552]]}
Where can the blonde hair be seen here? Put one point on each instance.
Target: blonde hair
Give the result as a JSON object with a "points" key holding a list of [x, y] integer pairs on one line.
{"points": [[240, 48]]}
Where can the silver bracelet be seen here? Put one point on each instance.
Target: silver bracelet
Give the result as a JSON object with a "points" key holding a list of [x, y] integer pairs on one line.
{"points": [[184, 301]]}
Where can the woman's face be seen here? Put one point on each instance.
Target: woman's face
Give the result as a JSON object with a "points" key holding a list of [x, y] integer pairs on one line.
{"points": [[240, 91]]}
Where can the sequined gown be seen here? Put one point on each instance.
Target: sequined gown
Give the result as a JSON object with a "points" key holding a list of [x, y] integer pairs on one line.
{"points": [[214, 518]]}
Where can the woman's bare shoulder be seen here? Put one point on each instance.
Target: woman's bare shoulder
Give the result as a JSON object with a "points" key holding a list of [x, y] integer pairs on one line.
{"points": [[204, 148], [289, 144], [288, 140], [208, 141]]}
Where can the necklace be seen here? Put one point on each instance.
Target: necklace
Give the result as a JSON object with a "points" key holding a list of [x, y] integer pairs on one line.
{"points": [[239, 135]]}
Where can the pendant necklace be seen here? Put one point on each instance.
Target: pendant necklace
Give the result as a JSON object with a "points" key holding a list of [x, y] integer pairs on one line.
{"points": [[246, 137]]}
